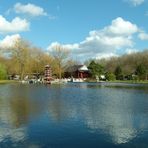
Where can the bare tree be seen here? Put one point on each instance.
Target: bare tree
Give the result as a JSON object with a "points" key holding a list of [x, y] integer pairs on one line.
{"points": [[60, 54], [21, 55], [38, 60]]}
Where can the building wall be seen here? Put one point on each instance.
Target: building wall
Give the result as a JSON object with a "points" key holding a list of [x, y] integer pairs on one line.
{"points": [[77, 74]]}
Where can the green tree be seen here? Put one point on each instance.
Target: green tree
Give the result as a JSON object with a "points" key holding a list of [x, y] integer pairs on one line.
{"points": [[21, 55], [96, 69], [141, 72], [3, 72], [110, 76], [118, 73]]}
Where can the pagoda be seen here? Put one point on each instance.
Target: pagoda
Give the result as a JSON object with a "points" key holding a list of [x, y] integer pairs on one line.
{"points": [[47, 74]]}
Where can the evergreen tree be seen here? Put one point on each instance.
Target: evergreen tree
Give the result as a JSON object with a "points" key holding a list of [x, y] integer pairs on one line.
{"points": [[95, 69], [118, 73], [141, 72]]}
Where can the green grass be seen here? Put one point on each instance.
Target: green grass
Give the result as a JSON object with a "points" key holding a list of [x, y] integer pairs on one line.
{"points": [[90, 80], [130, 81], [121, 81], [7, 81]]}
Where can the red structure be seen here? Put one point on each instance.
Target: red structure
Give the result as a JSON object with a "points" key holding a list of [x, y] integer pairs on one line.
{"points": [[47, 74], [77, 71]]}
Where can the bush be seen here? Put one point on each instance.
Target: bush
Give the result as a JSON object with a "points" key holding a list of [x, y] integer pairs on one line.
{"points": [[141, 72], [3, 72], [110, 77]]}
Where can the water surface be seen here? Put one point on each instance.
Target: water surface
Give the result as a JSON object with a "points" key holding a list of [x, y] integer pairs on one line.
{"points": [[74, 115]]}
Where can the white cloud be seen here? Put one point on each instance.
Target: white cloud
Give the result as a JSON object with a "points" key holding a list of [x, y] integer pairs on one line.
{"points": [[143, 36], [68, 46], [135, 2], [29, 9], [122, 27], [130, 51], [16, 25], [106, 56], [104, 42], [9, 41]]}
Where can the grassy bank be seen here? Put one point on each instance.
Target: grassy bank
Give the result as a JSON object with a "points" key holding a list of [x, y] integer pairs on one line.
{"points": [[7, 81], [130, 81], [121, 81]]}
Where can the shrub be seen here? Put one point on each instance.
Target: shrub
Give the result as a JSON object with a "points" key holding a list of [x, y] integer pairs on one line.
{"points": [[110, 77], [3, 72]]}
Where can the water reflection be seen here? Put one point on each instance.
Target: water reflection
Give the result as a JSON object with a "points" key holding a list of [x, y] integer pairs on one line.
{"points": [[15, 135], [31, 113], [16, 110], [9, 129], [118, 113], [115, 116], [56, 106]]}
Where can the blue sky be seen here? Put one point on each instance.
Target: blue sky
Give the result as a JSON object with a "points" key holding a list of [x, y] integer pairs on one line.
{"points": [[89, 28]]}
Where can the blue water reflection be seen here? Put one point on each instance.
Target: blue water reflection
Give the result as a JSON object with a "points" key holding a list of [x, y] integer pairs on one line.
{"points": [[74, 115]]}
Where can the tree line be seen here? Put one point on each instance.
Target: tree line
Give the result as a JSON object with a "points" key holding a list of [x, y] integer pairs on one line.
{"points": [[132, 66], [25, 59]]}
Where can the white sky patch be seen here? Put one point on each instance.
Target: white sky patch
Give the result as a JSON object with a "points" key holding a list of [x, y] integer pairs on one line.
{"points": [[29, 9], [143, 36], [106, 56], [16, 25], [122, 27], [130, 51], [135, 2], [67, 46], [9, 41], [105, 42]]}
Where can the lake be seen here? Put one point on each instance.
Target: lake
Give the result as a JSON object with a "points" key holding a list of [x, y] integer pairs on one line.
{"points": [[74, 115]]}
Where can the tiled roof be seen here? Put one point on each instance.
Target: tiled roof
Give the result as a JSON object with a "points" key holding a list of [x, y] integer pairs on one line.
{"points": [[73, 68]]}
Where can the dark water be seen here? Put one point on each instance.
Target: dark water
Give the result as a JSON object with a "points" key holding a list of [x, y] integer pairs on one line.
{"points": [[74, 116]]}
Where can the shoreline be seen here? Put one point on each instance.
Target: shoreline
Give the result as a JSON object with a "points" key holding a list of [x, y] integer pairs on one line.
{"points": [[120, 81], [129, 82], [8, 81], [91, 81]]}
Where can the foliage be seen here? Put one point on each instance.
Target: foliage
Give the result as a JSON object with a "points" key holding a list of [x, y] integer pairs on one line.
{"points": [[26, 60], [110, 76], [95, 69], [127, 62], [118, 73], [20, 56], [141, 72], [3, 72]]}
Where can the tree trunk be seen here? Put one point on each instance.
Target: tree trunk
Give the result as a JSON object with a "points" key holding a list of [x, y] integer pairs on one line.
{"points": [[60, 75], [22, 72]]}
